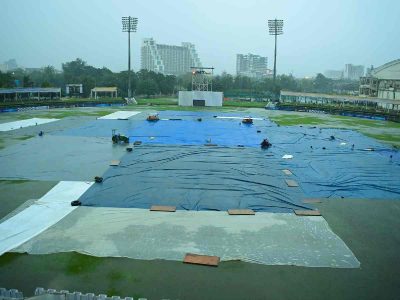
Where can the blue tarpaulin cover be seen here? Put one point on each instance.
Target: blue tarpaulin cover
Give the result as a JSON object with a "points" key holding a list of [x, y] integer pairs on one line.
{"points": [[173, 167], [194, 178]]}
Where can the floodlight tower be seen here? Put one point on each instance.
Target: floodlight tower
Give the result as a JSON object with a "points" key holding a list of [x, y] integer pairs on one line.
{"points": [[275, 28], [129, 24]]}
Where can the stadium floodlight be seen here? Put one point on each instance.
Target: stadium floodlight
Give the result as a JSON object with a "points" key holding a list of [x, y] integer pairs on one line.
{"points": [[202, 78], [129, 24], [275, 28]]}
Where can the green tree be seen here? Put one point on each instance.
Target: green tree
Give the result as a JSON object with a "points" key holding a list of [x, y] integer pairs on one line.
{"points": [[147, 87], [45, 84], [167, 85], [6, 80], [184, 82], [27, 82], [74, 70], [88, 83], [321, 83]]}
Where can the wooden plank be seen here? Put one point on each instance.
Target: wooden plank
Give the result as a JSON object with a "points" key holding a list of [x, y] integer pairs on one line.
{"points": [[115, 163], [310, 200], [291, 183], [237, 212], [163, 208], [287, 172], [307, 212], [204, 260]]}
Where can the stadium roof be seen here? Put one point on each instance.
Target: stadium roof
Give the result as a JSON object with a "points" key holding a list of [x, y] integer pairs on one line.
{"points": [[341, 98], [104, 89], [30, 90], [390, 71]]}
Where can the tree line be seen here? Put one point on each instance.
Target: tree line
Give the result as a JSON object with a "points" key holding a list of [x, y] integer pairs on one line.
{"points": [[150, 83]]}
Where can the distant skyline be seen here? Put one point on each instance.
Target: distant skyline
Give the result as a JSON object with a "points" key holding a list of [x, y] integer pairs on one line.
{"points": [[318, 35]]}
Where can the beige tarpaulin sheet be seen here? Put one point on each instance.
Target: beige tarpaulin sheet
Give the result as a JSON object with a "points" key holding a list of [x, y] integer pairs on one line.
{"points": [[265, 238]]}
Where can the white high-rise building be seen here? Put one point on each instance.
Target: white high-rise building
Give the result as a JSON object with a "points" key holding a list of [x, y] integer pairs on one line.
{"points": [[8, 65], [353, 72], [168, 59], [251, 65]]}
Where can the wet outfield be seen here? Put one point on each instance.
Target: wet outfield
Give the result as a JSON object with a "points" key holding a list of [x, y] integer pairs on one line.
{"points": [[350, 219]]}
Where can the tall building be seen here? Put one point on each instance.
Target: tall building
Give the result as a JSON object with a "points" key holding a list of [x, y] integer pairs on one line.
{"points": [[251, 65], [8, 65], [353, 72], [168, 59]]}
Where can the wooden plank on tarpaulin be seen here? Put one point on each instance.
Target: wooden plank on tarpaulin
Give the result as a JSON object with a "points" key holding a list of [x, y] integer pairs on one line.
{"points": [[287, 172], [163, 208], [312, 200], [237, 212], [306, 213], [204, 260], [115, 163]]}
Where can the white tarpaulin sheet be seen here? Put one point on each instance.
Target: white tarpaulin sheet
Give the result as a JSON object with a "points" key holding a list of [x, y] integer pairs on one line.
{"points": [[24, 123], [42, 214], [120, 115], [265, 238]]}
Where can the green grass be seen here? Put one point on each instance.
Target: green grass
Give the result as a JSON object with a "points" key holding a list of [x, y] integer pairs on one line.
{"points": [[99, 100], [8, 258], [183, 108], [63, 102], [24, 137], [116, 276], [389, 138], [244, 104], [174, 107], [174, 101], [291, 120], [64, 113], [21, 181], [352, 121], [79, 263], [158, 101], [384, 131], [11, 140], [112, 291]]}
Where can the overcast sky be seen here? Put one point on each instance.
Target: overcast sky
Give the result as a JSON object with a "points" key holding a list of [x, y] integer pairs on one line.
{"points": [[318, 34]]}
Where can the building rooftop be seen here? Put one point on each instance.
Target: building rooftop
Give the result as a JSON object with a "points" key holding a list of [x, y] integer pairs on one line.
{"points": [[30, 90], [104, 89], [390, 70], [345, 98]]}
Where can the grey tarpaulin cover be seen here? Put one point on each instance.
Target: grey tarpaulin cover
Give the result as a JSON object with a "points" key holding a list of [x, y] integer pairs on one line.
{"points": [[58, 158]]}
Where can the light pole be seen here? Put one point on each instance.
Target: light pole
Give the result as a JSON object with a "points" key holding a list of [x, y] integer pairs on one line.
{"points": [[275, 28], [129, 24]]}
